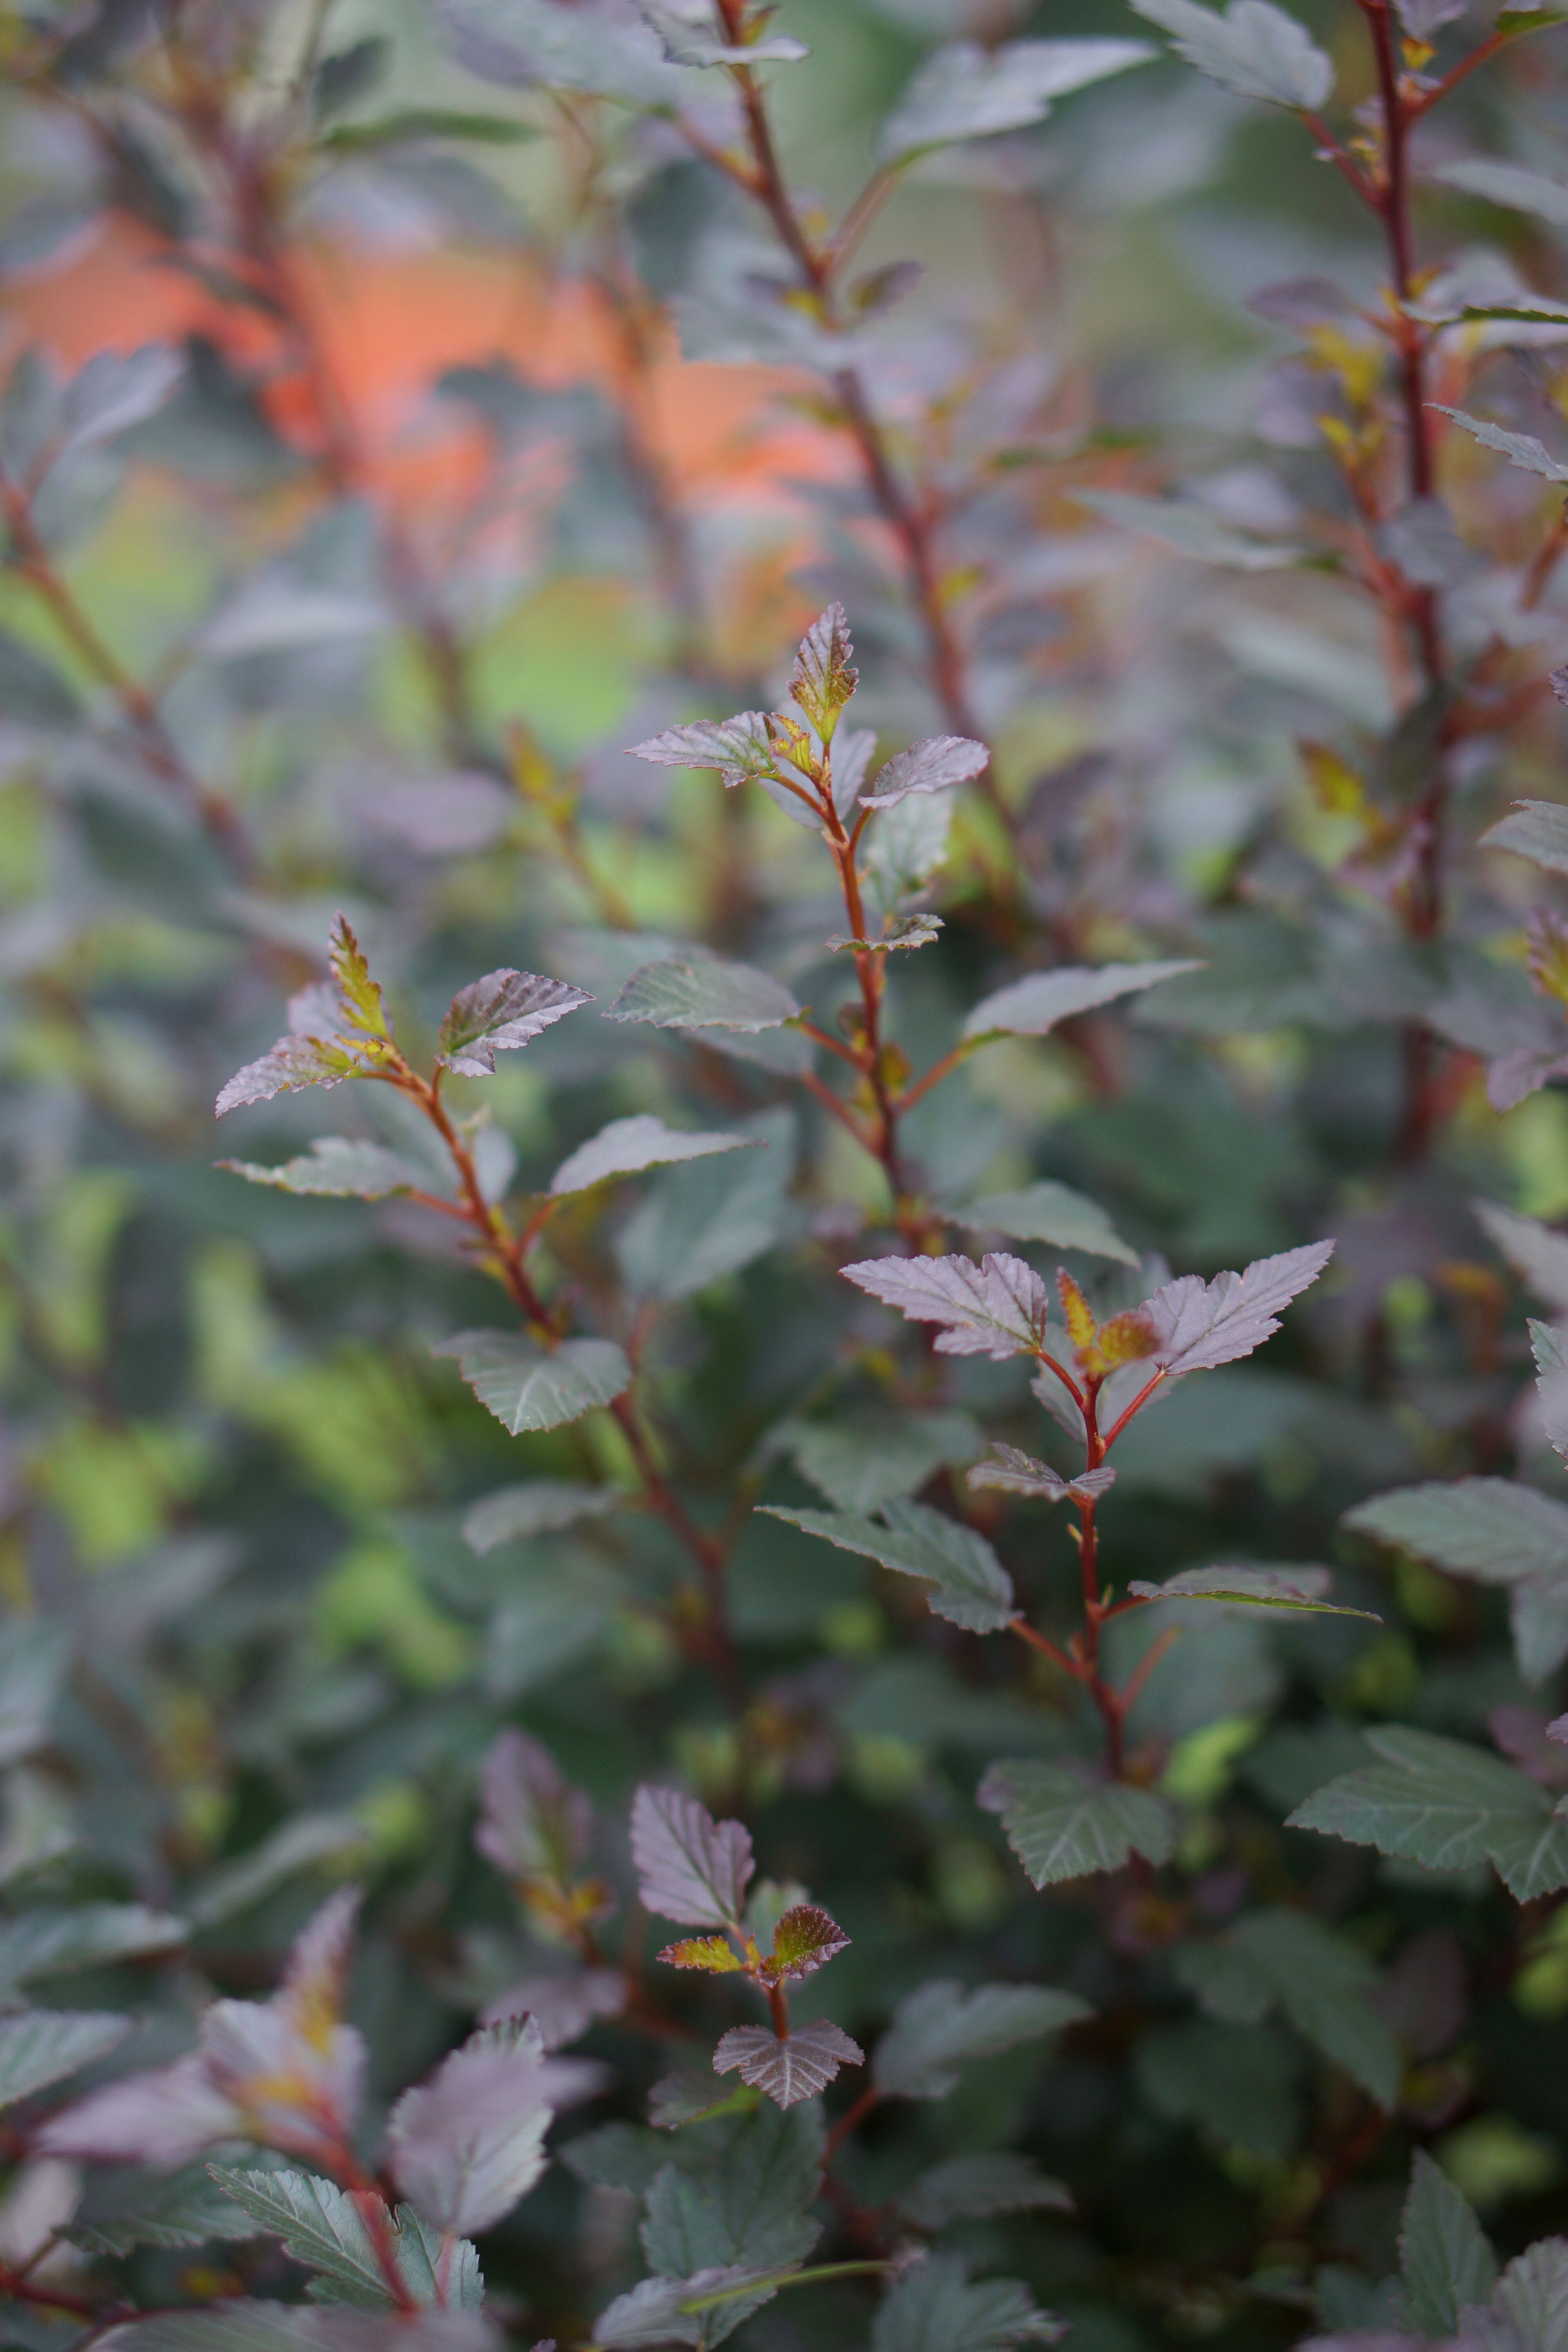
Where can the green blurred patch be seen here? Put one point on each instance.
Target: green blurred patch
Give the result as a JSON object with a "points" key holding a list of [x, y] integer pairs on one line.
{"points": [[884, 1770], [24, 843], [971, 1888], [567, 661], [1541, 1987], [117, 1488], [372, 1599], [61, 1257], [1201, 1765], [354, 1422], [147, 574], [118, 1059], [1384, 1679], [1535, 1142], [396, 1819], [1492, 2159]]}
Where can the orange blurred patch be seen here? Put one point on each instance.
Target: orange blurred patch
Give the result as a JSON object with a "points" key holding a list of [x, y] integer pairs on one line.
{"points": [[386, 326], [111, 295]]}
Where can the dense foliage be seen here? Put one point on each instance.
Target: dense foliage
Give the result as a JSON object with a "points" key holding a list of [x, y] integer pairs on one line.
{"points": [[914, 825]]}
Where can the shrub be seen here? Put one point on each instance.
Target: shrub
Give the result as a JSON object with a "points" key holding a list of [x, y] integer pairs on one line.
{"points": [[802, 1105]]}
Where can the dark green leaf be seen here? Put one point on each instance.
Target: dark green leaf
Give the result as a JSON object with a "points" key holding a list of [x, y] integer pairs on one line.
{"points": [[972, 2187], [1535, 829], [33, 1669], [1445, 2256], [348, 75], [411, 123], [1061, 1823], [698, 1224], [49, 1943], [527, 1386], [319, 2226], [861, 1460], [1033, 1007], [973, 1589], [1520, 449], [629, 1145], [1255, 49], [967, 92], [188, 2210], [1322, 1983], [752, 2208], [42, 2046], [942, 2027], [300, 1843], [535, 44], [1235, 2083], [1447, 1806], [933, 2308], [622, 2155], [1490, 1529], [541, 1507], [1511, 185], [676, 2099], [1252, 1588], [339, 1166], [696, 990], [1047, 1212]]}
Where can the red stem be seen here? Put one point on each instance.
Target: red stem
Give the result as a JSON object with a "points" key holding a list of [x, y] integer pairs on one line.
{"points": [[1148, 1662], [22, 2290], [763, 179], [1421, 102], [32, 562], [1037, 1640], [1082, 1660], [1139, 1402], [1392, 201], [1423, 909], [828, 1043], [507, 1252], [1338, 158], [871, 972], [853, 2116], [1072, 1388], [935, 1074], [839, 1108], [371, 2206]]}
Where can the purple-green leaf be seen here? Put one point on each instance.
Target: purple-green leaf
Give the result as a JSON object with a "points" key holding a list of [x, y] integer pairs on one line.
{"points": [[796, 2067], [690, 1868], [1199, 1323], [822, 679], [998, 1308], [504, 1010], [928, 767]]}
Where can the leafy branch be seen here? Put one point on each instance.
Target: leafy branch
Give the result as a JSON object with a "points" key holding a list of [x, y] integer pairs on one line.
{"points": [[1001, 1308], [695, 1871], [1262, 53], [554, 1377], [28, 558], [804, 761]]}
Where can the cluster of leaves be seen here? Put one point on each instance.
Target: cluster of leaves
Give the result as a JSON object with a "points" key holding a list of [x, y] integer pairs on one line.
{"points": [[794, 1114]]}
